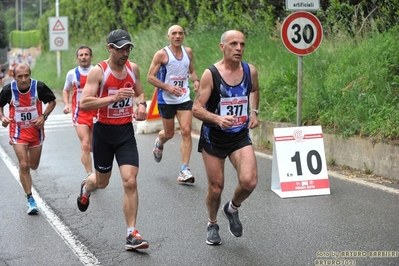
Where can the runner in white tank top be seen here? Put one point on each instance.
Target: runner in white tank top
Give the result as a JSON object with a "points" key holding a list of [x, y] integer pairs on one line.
{"points": [[171, 69]]}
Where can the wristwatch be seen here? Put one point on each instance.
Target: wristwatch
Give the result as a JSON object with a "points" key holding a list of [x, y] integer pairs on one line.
{"points": [[45, 117], [256, 111], [143, 103]]}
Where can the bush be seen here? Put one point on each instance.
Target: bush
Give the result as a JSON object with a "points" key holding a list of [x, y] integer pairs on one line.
{"points": [[26, 39]]}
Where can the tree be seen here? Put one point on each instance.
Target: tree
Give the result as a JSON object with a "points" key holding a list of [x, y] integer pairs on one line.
{"points": [[3, 30]]}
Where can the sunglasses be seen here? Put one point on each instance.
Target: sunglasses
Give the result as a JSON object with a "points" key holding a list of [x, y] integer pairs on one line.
{"points": [[126, 48]]}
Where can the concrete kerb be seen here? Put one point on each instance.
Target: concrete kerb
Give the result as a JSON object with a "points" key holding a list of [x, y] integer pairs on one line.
{"points": [[380, 158]]}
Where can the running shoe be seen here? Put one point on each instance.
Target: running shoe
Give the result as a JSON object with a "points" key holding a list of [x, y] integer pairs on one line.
{"points": [[212, 237], [185, 176], [157, 152], [134, 241], [235, 226], [83, 200], [32, 207]]}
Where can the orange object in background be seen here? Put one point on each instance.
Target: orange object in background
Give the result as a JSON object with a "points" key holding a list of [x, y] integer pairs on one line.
{"points": [[10, 72], [153, 112]]}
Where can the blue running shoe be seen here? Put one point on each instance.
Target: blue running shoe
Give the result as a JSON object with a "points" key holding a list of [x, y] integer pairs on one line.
{"points": [[157, 152], [32, 207]]}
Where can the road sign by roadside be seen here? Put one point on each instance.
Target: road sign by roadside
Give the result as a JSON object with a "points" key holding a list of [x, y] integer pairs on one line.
{"points": [[301, 33], [58, 31], [297, 5]]}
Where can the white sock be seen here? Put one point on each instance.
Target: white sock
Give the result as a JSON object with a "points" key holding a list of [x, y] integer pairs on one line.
{"points": [[85, 192], [130, 230], [212, 222], [230, 208]]}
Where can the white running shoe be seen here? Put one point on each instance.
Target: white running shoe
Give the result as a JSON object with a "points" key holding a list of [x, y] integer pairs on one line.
{"points": [[185, 176]]}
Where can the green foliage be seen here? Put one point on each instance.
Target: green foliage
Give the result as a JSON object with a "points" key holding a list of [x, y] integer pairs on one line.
{"points": [[3, 31], [359, 17], [363, 88], [30, 14], [247, 16], [24, 39], [350, 84]]}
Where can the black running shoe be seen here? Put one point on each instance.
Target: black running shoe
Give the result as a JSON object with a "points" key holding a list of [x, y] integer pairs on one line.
{"points": [[212, 237], [83, 201], [134, 241]]}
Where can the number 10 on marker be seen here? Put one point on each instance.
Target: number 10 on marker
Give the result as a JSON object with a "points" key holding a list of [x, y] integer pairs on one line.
{"points": [[299, 165]]}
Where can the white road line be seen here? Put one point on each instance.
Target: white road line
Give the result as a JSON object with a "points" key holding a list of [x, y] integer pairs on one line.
{"points": [[54, 123], [80, 250]]}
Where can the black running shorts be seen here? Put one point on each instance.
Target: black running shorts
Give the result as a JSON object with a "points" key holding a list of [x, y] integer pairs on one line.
{"points": [[168, 111], [222, 144], [111, 141]]}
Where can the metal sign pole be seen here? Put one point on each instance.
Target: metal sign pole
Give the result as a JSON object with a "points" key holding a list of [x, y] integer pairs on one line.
{"points": [[57, 14], [299, 91], [301, 33]]}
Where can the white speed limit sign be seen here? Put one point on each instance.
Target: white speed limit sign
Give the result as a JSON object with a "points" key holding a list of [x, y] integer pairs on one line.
{"points": [[301, 33]]}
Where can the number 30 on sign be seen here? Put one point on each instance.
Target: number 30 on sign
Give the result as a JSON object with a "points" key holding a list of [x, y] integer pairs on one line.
{"points": [[299, 164]]}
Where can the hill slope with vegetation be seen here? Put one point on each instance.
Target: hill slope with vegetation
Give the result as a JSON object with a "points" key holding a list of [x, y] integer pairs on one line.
{"points": [[350, 83]]}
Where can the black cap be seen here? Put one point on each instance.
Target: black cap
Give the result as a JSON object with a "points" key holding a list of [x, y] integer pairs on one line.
{"points": [[119, 38]]}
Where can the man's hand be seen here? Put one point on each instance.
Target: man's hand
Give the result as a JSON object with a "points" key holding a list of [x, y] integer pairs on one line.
{"points": [[124, 93], [141, 113], [175, 90], [67, 109], [253, 120], [5, 121], [227, 121]]}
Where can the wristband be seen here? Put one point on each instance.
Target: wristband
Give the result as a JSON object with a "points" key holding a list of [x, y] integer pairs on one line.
{"points": [[143, 103]]}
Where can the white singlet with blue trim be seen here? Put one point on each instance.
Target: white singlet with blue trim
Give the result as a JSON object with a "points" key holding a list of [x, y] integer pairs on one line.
{"points": [[174, 73]]}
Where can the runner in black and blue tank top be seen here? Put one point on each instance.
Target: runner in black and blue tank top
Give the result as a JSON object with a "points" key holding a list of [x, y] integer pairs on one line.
{"points": [[227, 103]]}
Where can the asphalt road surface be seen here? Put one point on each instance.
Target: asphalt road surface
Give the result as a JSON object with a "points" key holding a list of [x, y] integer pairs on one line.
{"points": [[357, 224]]}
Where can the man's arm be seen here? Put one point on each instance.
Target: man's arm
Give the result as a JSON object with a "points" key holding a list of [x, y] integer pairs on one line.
{"points": [[5, 98], [66, 92], [160, 58], [141, 110], [154, 68], [4, 120], [89, 100], [254, 98], [201, 99], [39, 122], [192, 74], [50, 107]]}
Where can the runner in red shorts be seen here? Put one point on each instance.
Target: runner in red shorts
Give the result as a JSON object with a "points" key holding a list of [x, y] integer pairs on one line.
{"points": [[26, 119], [82, 120]]}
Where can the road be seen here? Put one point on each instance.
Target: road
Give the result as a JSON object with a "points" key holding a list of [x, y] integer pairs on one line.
{"points": [[345, 227]]}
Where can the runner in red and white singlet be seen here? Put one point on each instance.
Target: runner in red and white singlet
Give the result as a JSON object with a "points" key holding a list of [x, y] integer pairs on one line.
{"points": [[113, 87], [26, 122], [82, 120]]}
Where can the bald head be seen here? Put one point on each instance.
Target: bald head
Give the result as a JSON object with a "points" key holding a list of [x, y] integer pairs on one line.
{"points": [[174, 28], [21, 67], [229, 34]]}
